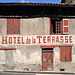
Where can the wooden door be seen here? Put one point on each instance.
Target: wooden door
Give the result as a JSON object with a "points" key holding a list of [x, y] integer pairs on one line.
{"points": [[47, 60]]}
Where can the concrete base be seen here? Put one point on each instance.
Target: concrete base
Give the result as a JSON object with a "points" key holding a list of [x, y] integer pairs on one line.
{"points": [[42, 72], [47, 74]]}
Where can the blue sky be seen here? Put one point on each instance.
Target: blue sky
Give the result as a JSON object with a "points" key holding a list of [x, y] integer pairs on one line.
{"points": [[44, 1]]}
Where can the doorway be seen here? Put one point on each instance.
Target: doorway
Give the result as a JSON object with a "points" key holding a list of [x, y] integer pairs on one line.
{"points": [[47, 59]]}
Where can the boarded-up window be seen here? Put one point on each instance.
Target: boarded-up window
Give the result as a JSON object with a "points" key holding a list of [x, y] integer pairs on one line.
{"points": [[13, 26], [65, 53], [65, 26]]}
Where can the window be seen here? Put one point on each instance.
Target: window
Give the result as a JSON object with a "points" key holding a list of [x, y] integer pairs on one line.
{"points": [[65, 53], [13, 26], [56, 26]]}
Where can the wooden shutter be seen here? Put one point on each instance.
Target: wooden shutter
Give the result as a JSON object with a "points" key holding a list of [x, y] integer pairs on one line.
{"points": [[65, 53], [68, 53], [9, 26], [13, 26], [65, 26], [62, 54]]}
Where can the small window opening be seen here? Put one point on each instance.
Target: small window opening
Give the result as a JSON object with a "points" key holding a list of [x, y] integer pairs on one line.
{"points": [[47, 48], [26, 69], [62, 69]]}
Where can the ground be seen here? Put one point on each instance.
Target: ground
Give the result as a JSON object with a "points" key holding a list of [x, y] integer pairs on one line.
{"points": [[12, 73]]}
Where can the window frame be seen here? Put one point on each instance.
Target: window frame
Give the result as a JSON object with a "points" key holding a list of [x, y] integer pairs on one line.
{"points": [[56, 19]]}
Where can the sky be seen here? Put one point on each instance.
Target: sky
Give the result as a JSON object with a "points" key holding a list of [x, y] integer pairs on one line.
{"points": [[43, 1]]}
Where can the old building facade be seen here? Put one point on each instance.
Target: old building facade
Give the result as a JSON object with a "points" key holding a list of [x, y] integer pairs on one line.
{"points": [[37, 57], [50, 56]]}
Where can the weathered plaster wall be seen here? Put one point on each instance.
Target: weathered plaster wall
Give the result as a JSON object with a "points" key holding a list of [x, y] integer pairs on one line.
{"points": [[27, 57], [9, 60], [67, 66], [34, 26], [71, 26], [2, 59], [3, 26], [56, 57]]}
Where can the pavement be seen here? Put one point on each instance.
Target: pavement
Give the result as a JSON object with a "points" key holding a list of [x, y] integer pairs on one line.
{"points": [[11, 73], [33, 73]]}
